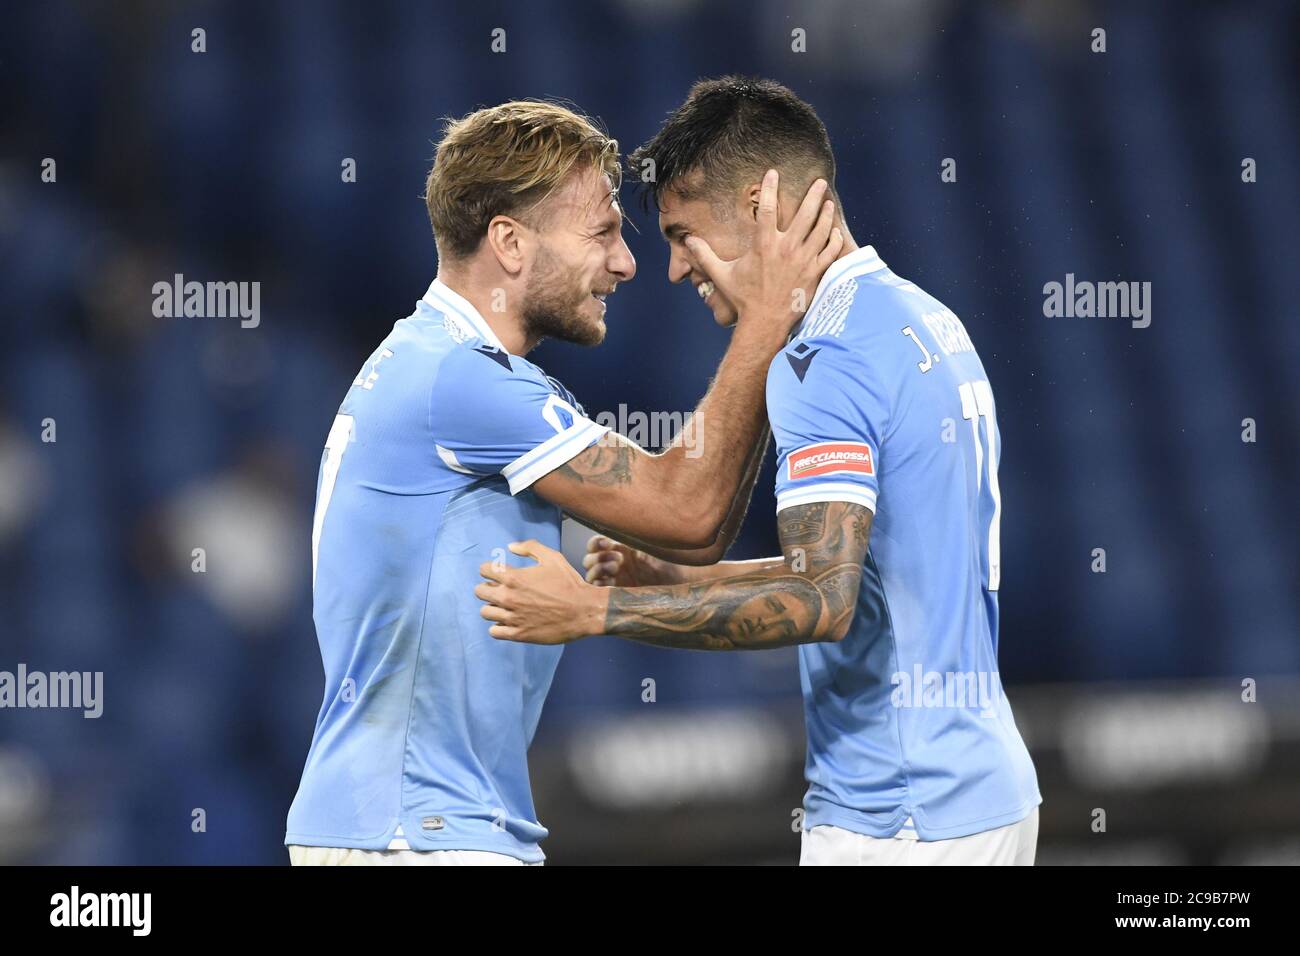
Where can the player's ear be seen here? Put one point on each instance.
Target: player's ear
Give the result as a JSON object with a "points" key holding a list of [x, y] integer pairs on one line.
{"points": [[752, 197], [508, 241]]}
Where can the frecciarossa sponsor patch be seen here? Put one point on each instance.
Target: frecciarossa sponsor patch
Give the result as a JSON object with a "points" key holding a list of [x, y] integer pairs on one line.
{"points": [[829, 458]]}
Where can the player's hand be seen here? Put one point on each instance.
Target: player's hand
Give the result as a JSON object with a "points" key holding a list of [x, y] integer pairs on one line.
{"points": [[775, 280], [546, 603], [611, 564]]}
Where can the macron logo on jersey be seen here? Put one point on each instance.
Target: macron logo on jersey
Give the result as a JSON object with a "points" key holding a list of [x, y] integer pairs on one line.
{"points": [[800, 364], [828, 458], [496, 355]]}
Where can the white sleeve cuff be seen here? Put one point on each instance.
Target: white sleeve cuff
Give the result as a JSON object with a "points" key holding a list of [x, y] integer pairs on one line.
{"points": [[552, 453], [827, 491]]}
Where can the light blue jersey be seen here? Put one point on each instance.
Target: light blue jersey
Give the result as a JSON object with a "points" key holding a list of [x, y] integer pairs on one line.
{"points": [[881, 400], [423, 736]]}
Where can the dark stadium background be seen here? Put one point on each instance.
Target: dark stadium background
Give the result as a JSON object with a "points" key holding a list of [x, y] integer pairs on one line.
{"points": [[179, 433]]}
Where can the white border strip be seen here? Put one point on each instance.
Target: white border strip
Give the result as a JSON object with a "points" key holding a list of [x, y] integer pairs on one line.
{"points": [[827, 491], [452, 303], [552, 453]]}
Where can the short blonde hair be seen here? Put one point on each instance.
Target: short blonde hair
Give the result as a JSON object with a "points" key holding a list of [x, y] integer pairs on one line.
{"points": [[504, 161]]}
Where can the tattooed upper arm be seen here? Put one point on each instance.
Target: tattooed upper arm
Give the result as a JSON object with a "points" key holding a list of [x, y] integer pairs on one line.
{"points": [[826, 541], [615, 485], [825, 530], [606, 463]]}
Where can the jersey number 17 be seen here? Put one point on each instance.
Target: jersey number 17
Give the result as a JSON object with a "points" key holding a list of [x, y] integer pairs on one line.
{"points": [[977, 404]]}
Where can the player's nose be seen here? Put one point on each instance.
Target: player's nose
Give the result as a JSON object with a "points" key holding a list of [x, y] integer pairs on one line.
{"points": [[621, 262], [678, 267]]}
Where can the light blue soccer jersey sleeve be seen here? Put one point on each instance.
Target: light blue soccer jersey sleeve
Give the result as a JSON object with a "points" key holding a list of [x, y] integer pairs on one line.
{"points": [[828, 417], [496, 413]]}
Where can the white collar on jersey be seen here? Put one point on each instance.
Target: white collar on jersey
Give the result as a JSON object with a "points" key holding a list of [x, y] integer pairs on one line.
{"points": [[459, 310], [859, 262]]}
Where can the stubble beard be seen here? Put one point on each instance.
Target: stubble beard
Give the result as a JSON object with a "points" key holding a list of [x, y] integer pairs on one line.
{"points": [[553, 309]]}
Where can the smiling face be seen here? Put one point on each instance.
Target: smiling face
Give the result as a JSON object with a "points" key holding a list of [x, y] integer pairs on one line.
{"points": [[708, 159], [727, 225], [579, 259]]}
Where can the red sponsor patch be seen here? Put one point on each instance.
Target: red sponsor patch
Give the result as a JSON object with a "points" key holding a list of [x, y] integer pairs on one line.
{"points": [[830, 457]]}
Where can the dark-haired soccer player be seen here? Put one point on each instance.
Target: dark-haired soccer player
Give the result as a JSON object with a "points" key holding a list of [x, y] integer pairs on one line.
{"points": [[913, 753]]}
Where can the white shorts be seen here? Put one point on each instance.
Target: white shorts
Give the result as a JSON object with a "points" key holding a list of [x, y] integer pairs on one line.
{"points": [[1012, 845], [341, 856]]}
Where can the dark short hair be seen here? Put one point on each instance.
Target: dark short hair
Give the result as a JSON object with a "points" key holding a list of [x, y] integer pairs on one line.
{"points": [[729, 129]]}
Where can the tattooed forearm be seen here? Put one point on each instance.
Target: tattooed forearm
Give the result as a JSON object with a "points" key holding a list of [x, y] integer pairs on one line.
{"points": [[746, 611], [707, 556], [811, 597]]}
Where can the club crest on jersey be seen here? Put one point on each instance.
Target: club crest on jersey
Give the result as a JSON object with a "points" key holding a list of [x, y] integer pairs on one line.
{"points": [[558, 413], [829, 458]]}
